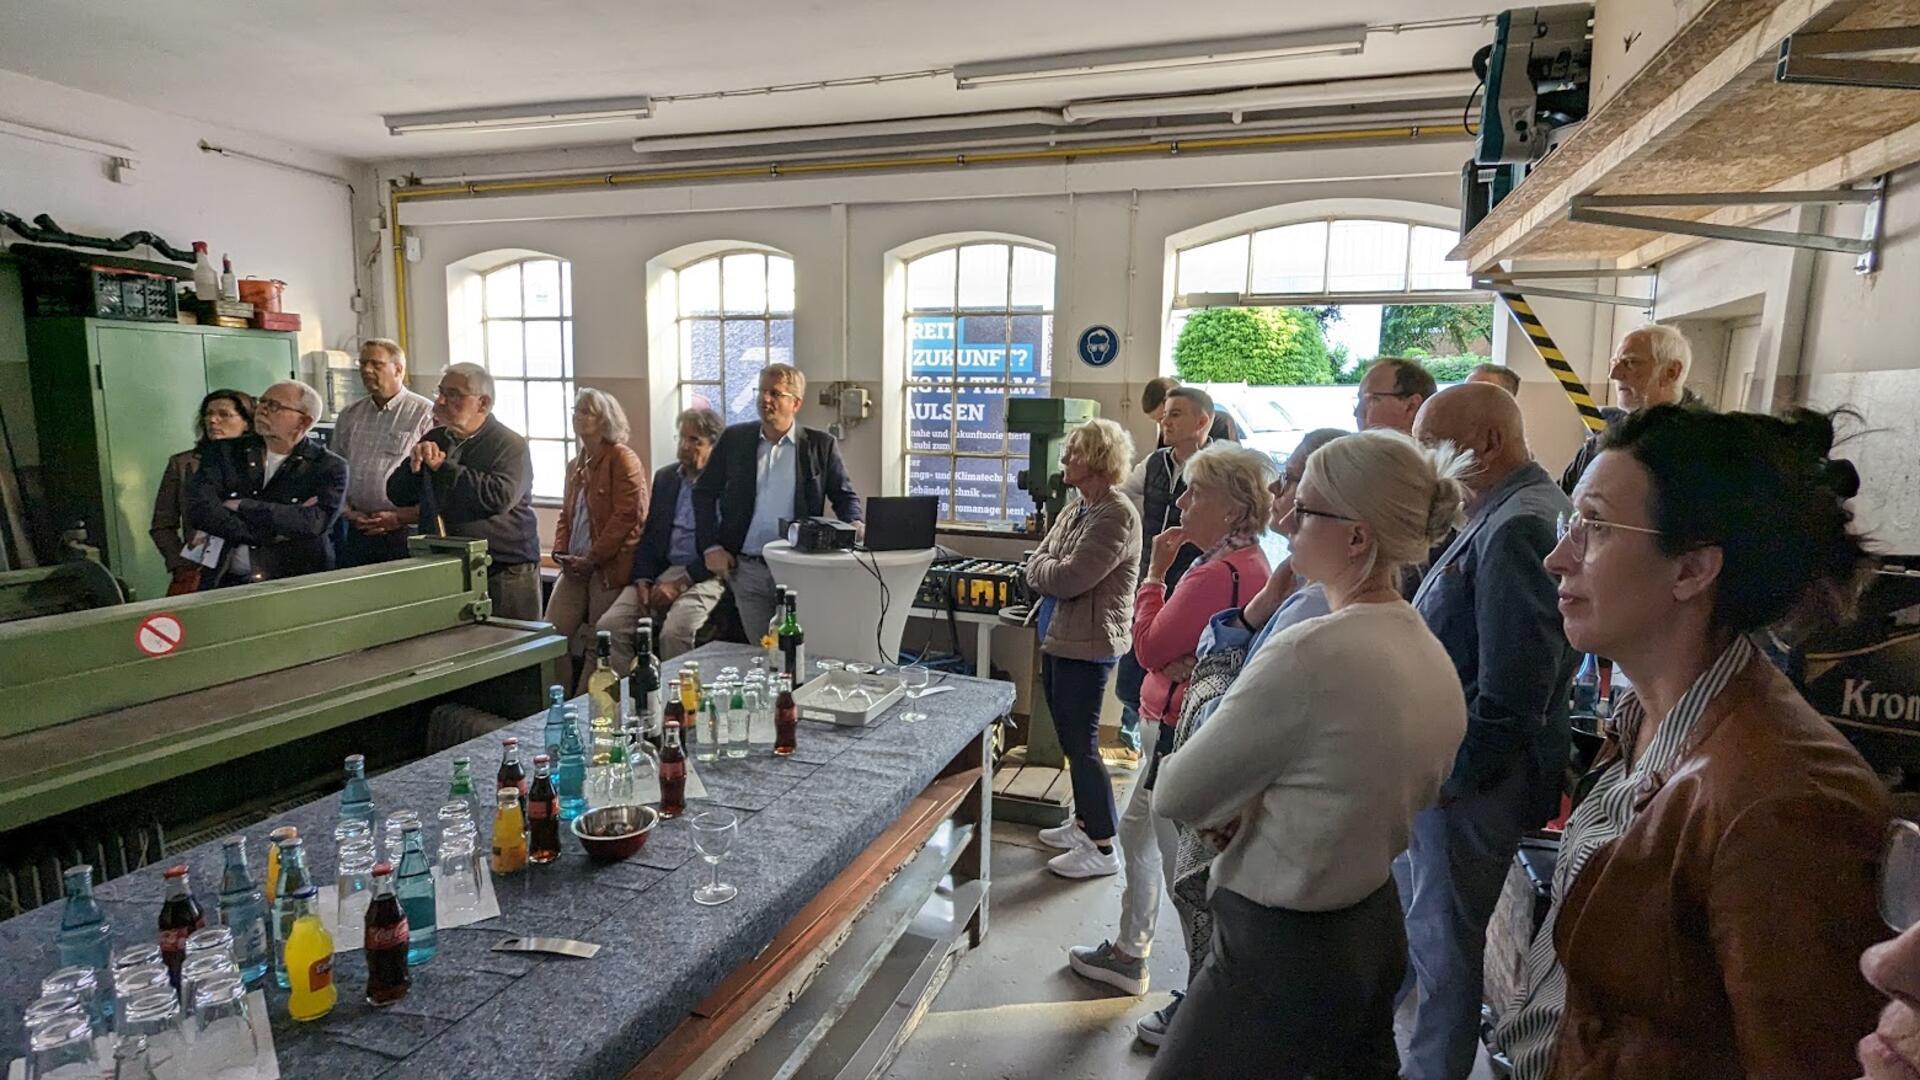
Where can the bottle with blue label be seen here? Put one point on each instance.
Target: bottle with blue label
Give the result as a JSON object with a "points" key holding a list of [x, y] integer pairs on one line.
{"points": [[356, 798], [243, 909], [415, 889], [86, 937]]}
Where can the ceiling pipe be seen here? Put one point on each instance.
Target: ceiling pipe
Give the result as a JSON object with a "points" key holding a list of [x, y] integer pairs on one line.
{"points": [[730, 140], [1288, 96]]}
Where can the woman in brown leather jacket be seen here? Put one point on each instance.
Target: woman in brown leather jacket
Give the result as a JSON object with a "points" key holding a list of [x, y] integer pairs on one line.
{"points": [[601, 515], [1716, 885], [224, 414]]}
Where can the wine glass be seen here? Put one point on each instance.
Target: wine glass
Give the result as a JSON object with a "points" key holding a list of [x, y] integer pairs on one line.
{"points": [[859, 672], [713, 832], [832, 686], [913, 683]]}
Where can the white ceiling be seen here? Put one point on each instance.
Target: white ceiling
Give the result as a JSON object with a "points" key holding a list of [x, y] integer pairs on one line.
{"points": [[321, 75]]}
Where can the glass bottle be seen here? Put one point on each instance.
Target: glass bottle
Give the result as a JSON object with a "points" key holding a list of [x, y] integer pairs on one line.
{"points": [[512, 773], [643, 685], [294, 876], [1586, 686], [243, 910], [509, 834], [709, 731], [740, 722], [309, 958], [387, 942], [356, 797], [86, 937], [556, 721], [543, 815], [272, 884], [620, 788], [571, 778], [601, 680], [462, 786], [414, 887], [673, 773], [673, 711], [180, 916], [786, 719], [770, 641], [793, 641], [689, 687]]}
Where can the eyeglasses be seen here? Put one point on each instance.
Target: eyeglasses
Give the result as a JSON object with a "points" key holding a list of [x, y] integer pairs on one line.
{"points": [[1305, 512], [268, 405], [1368, 398], [777, 394], [1900, 876], [1573, 530]]}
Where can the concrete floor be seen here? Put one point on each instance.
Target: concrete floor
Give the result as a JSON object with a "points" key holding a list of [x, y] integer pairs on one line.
{"points": [[1013, 1011]]}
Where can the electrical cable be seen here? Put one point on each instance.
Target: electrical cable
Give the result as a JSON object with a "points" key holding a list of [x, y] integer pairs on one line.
{"points": [[1467, 112], [872, 566]]}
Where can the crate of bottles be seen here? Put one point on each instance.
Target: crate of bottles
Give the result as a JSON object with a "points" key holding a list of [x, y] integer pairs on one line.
{"points": [[971, 585]]}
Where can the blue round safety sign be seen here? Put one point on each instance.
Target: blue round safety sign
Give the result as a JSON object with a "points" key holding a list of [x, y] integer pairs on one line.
{"points": [[1099, 345]]}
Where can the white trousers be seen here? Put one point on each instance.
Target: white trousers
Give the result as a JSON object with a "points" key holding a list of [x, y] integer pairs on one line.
{"points": [[1148, 845]]}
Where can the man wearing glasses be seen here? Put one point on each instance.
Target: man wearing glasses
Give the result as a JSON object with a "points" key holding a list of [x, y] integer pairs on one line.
{"points": [[761, 474], [1649, 368], [270, 498], [1391, 393]]}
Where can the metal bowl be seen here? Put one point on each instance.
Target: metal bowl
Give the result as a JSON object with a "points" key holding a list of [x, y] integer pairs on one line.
{"points": [[629, 826]]}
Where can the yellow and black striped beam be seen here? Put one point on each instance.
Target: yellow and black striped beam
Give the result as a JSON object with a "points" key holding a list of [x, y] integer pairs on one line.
{"points": [[1576, 390]]}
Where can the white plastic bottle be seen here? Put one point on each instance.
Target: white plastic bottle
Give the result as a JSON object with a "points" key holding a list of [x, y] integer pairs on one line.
{"points": [[206, 280]]}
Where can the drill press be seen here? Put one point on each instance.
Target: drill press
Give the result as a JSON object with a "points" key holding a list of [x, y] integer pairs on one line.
{"points": [[1046, 422]]}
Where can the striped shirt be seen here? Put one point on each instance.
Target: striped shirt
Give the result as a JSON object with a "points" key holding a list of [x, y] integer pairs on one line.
{"points": [[1531, 1024], [374, 438]]}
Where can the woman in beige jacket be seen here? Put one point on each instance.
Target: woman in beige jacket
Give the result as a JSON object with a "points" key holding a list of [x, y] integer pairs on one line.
{"points": [[1085, 571]]}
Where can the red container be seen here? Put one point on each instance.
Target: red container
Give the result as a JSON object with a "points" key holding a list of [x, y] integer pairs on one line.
{"points": [[263, 293]]}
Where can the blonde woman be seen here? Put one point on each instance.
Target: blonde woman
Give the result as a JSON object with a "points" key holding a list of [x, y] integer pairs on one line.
{"points": [[1085, 571], [600, 520], [1336, 733]]}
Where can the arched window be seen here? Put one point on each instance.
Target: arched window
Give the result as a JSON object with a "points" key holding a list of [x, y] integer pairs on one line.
{"points": [[525, 341], [979, 329], [734, 315]]}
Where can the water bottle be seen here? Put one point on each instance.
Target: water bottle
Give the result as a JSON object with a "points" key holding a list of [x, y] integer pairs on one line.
{"points": [[572, 777], [556, 722], [356, 798], [86, 937], [415, 889], [1586, 687], [243, 909]]}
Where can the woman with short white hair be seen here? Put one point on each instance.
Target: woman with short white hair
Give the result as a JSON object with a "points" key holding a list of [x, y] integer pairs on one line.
{"points": [[1336, 733], [600, 519]]}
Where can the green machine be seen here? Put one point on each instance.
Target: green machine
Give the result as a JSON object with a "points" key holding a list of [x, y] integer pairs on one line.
{"points": [[1041, 799], [184, 710], [112, 401]]}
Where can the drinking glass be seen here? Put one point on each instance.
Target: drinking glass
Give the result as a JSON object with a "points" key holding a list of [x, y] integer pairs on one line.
{"points": [[913, 683], [51, 1007], [132, 982], [156, 1015], [831, 669], [222, 1031], [456, 819], [352, 892], [396, 825], [713, 832], [145, 954], [132, 1058], [458, 887], [82, 984], [211, 939], [859, 673], [62, 1049], [197, 971], [351, 829]]}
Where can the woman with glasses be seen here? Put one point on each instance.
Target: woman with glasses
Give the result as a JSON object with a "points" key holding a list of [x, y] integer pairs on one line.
{"points": [[604, 507], [1716, 882], [1337, 732], [1084, 573], [224, 414]]}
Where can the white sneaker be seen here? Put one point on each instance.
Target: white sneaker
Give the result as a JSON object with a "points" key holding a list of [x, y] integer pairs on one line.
{"points": [[1085, 862], [1066, 837]]}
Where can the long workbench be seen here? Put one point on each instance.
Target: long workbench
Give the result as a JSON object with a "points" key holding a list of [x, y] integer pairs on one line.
{"points": [[671, 975]]}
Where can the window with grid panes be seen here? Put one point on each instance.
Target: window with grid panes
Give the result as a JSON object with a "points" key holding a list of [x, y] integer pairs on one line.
{"points": [[979, 331], [735, 318], [526, 337]]}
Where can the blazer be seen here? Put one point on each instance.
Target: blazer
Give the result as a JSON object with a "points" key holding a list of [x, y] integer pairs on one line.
{"points": [[286, 536], [1720, 936], [1086, 563], [616, 507], [486, 495], [650, 558], [169, 527], [1493, 605], [723, 497]]}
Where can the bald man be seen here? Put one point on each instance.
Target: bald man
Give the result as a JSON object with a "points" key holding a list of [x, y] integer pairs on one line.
{"points": [[1491, 602]]}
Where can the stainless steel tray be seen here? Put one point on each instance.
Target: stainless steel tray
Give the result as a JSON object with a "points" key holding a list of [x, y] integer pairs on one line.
{"points": [[817, 702]]}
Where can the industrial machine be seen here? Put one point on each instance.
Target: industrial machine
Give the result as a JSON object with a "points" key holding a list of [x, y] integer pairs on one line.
{"points": [[1046, 422], [1536, 73], [171, 716]]}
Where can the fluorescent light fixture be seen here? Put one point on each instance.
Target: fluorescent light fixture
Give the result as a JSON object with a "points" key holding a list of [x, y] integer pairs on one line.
{"points": [[1174, 56], [549, 114], [1295, 96]]}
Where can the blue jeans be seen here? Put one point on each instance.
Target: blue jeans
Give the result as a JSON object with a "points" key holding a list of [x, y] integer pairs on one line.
{"points": [[1451, 875], [1127, 689], [1075, 689]]}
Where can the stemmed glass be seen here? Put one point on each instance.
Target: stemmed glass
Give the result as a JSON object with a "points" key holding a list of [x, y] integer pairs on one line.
{"points": [[713, 832], [860, 671], [913, 683], [832, 686]]}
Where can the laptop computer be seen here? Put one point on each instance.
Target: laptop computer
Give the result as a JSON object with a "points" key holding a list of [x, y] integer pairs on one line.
{"points": [[901, 522]]}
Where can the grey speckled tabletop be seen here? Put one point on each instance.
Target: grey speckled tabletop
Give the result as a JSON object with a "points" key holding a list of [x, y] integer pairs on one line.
{"points": [[474, 1012]]}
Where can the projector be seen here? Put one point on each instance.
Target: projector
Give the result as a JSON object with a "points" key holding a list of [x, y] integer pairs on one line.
{"points": [[815, 535]]}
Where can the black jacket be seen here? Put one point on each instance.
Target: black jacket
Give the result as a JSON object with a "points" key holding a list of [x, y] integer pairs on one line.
{"points": [[487, 494], [656, 538], [286, 536], [723, 497]]}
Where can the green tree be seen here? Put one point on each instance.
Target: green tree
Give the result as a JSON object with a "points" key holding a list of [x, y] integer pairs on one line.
{"points": [[1258, 346], [1455, 329]]}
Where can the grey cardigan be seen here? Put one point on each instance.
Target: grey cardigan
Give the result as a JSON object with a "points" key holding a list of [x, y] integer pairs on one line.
{"points": [[1089, 563]]}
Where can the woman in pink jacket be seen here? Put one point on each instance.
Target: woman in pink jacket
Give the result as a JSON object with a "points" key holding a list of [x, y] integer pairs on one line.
{"points": [[1222, 513]]}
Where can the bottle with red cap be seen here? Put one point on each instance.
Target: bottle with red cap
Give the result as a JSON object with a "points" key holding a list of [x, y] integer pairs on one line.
{"points": [[180, 916], [673, 773], [513, 773], [543, 813], [386, 942]]}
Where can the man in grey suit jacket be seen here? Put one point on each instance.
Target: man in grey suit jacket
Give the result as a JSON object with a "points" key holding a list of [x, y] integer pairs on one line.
{"points": [[1493, 605]]}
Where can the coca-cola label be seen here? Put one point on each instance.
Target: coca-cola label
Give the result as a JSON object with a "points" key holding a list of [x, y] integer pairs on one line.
{"points": [[541, 811], [175, 941], [320, 975], [395, 936]]}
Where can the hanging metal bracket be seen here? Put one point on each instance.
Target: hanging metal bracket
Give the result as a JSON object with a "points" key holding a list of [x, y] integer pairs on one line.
{"points": [[1521, 281], [1599, 210], [1833, 58]]}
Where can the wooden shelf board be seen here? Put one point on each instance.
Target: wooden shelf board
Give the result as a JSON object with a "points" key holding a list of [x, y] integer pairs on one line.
{"points": [[1705, 115]]}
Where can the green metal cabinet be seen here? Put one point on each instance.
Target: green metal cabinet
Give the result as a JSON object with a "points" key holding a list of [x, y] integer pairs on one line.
{"points": [[114, 400]]}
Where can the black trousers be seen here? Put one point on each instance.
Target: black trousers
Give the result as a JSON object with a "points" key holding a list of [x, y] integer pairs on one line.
{"points": [[1075, 689], [358, 549], [1292, 994]]}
